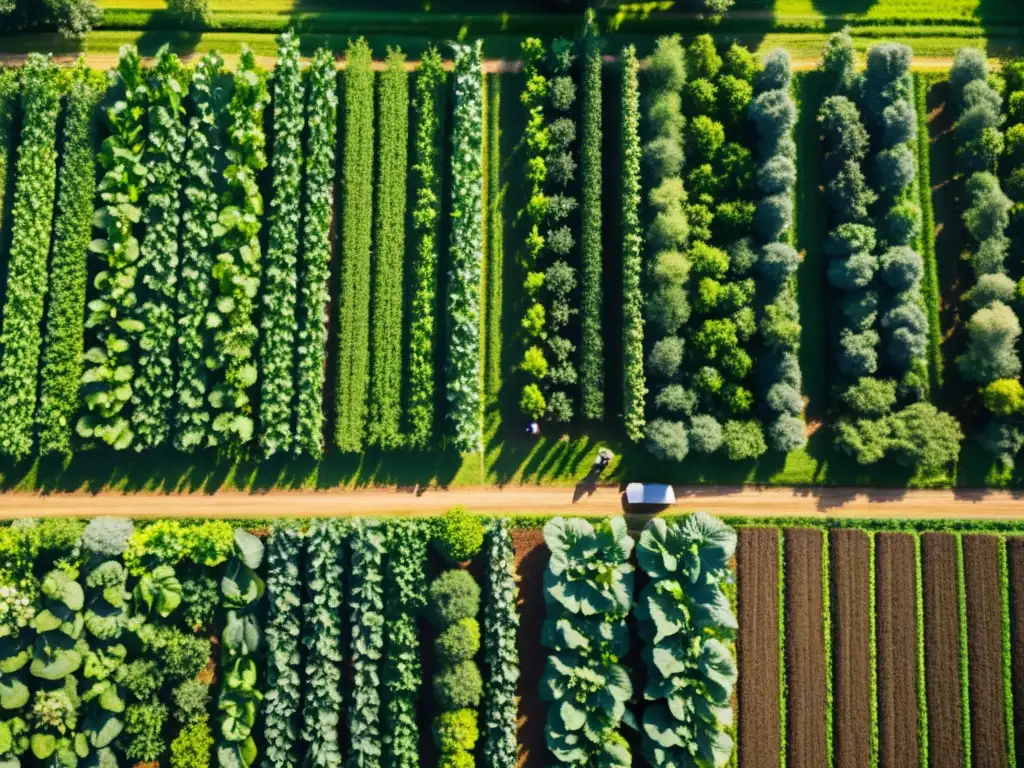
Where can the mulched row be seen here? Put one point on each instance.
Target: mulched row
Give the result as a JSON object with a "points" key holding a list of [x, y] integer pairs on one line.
{"points": [[805, 650], [942, 650], [757, 563], [896, 649], [1015, 555], [851, 655], [985, 651]]}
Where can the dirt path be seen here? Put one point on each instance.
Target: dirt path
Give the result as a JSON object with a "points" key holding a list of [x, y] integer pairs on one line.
{"points": [[527, 500]]}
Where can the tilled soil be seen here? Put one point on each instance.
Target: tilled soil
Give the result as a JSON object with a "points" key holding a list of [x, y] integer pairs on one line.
{"points": [[531, 560], [942, 650], [985, 651], [851, 655], [757, 562], [805, 650], [896, 648], [1016, 562]]}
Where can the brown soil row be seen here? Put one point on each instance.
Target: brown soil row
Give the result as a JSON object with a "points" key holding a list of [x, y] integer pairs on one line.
{"points": [[942, 650], [757, 563], [851, 654], [531, 560], [985, 651], [896, 649], [805, 650], [1016, 562]]}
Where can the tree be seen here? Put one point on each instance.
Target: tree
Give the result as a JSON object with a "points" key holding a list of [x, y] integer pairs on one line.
{"points": [[871, 397], [992, 335], [667, 440], [743, 440], [195, 14], [1003, 397], [925, 438]]}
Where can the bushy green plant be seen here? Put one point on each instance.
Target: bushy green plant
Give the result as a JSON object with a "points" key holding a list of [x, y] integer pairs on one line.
{"points": [[26, 270], [191, 700], [458, 535], [199, 596], [366, 601], [284, 628], [456, 731], [143, 678], [458, 642], [277, 319], [191, 747], [458, 686], [501, 653], [107, 537], [143, 724], [452, 596], [192, 14]]}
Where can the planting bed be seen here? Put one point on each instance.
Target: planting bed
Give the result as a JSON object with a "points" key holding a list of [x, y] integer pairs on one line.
{"points": [[805, 650], [851, 671], [1015, 554], [531, 559], [757, 561], [897, 649], [942, 651], [985, 651]]}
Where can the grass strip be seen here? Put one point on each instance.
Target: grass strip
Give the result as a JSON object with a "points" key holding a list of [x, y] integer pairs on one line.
{"points": [[495, 245], [926, 239], [922, 690]]}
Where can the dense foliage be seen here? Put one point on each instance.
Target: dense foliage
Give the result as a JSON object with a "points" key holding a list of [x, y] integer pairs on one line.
{"points": [[61, 373], [588, 590], [634, 387], [284, 630], [773, 114], [278, 294], [501, 654], [153, 385], [27, 273], [366, 644], [314, 266], [591, 253], [426, 214], [687, 626], [357, 227], [384, 427], [466, 252], [203, 167]]}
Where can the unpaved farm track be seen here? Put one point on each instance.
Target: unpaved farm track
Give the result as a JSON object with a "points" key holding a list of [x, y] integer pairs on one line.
{"points": [[527, 500]]}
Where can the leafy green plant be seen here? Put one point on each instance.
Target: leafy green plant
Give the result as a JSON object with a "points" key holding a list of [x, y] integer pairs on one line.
{"points": [[191, 700], [107, 604], [588, 589], [324, 568], [200, 597], [242, 591], [354, 302], [284, 628], [501, 654], [143, 724], [277, 319], [236, 272], [318, 194], [366, 650], [634, 387], [463, 358], [425, 214], [159, 592], [163, 156], [203, 165], [458, 535], [27, 274], [113, 331], [687, 623], [385, 412], [61, 373], [405, 589], [191, 747]]}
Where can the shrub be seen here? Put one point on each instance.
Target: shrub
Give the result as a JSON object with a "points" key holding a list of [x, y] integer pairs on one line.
{"points": [[456, 731], [143, 724], [666, 357], [1003, 397], [675, 399], [194, 14], [458, 535], [787, 433], [925, 438], [743, 440], [992, 335], [990, 288], [705, 434], [858, 356], [452, 596], [192, 746], [838, 63], [107, 537], [191, 700], [668, 440], [458, 686]]}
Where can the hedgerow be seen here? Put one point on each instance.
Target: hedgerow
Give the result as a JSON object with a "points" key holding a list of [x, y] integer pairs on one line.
{"points": [[384, 427], [501, 654], [314, 263], [773, 113], [463, 306], [683, 606], [284, 630], [354, 300], [405, 589], [61, 373], [425, 215], [153, 385], [278, 295], [236, 273], [321, 607], [591, 256], [113, 332], [27, 273], [203, 157], [584, 685], [634, 387]]}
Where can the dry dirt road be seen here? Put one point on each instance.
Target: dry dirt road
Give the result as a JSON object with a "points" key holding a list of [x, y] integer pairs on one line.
{"points": [[720, 500]]}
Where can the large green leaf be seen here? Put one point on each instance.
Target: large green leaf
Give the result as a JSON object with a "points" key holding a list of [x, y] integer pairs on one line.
{"points": [[719, 670], [14, 694], [249, 548], [716, 541], [102, 728], [43, 745]]}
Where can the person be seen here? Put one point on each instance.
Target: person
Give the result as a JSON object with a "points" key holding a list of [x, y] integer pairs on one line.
{"points": [[533, 429], [604, 458]]}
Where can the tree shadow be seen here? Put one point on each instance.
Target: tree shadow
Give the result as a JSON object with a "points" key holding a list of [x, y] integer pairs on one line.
{"points": [[846, 7], [164, 28]]}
